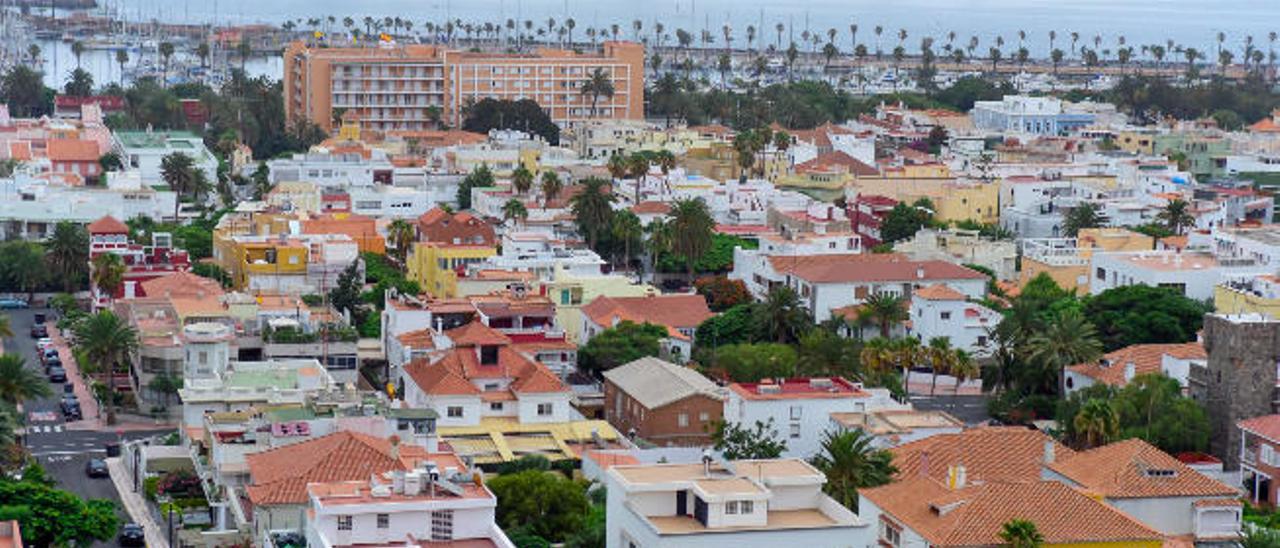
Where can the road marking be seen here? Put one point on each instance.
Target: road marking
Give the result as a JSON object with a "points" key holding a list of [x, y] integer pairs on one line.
{"points": [[67, 453]]}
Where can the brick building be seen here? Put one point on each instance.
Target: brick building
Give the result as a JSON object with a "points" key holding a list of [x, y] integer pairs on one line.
{"points": [[416, 87], [662, 402]]}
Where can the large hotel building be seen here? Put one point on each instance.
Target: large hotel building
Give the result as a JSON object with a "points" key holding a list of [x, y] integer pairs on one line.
{"points": [[401, 87]]}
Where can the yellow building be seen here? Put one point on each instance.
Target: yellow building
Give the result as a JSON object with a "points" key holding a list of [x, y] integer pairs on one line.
{"points": [[258, 263], [1256, 295], [435, 266], [298, 195], [1137, 142], [1069, 265], [571, 292], [953, 200]]}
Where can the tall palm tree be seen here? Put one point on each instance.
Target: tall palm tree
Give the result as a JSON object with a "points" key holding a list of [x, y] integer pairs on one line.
{"points": [[108, 273], [886, 309], [692, 226], [122, 57], [551, 187], [637, 169], [108, 343], [522, 179], [942, 357], [19, 383], [784, 317], [401, 235], [1067, 339], [659, 240], [1096, 423], [597, 85], [68, 253], [850, 462], [178, 170], [1020, 533], [1175, 216], [77, 49], [626, 228], [592, 207], [514, 210], [166, 55]]}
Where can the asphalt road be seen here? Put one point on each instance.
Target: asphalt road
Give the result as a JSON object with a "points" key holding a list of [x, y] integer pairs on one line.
{"points": [[969, 409], [63, 452]]}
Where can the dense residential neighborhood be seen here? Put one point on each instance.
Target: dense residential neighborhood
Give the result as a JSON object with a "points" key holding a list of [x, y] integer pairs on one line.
{"points": [[496, 285]]}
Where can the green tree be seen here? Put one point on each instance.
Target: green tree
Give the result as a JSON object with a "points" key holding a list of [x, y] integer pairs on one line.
{"points": [[68, 253], [111, 162], [782, 317], [108, 342], [626, 230], [1176, 216], [108, 273], [166, 51], [1141, 314], [825, 353], [178, 171], [524, 115], [18, 383], [1097, 423], [521, 179], [1087, 215], [1020, 533], [53, 517], [692, 227], [551, 187], [480, 177], [1152, 407], [597, 85], [733, 326], [753, 362], [23, 89], [79, 84], [620, 344], [514, 210], [23, 267], [885, 310], [759, 441], [903, 221], [592, 210], [345, 296], [544, 503], [850, 462], [401, 235], [1067, 339]]}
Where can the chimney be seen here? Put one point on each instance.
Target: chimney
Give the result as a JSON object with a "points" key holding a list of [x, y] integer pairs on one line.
{"points": [[920, 272], [1129, 371], [924, 464], [395, 447], [1048, 451], [961, 477]]}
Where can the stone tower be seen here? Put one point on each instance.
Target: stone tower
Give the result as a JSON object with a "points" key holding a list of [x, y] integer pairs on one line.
{"points": [[1239, 381]]}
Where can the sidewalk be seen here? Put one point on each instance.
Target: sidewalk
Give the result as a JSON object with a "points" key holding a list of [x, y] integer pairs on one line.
{"points": [[135, 505], [94, 418]]}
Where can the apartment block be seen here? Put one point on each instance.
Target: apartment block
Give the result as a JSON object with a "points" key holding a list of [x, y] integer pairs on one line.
{"points": [[415, 87]]}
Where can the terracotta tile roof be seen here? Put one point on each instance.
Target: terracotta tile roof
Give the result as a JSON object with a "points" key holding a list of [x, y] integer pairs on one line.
{"points": [[183, 284], [72, 150], [672, 311], [938, 292], [438, 225], [988, 453], [872, 267], [837, 161], [454, 373], [1267, 426], [422, 339], [476, 334], [1135, 469], [281, 475], [974, 515], [20, 150], [108, 225], [651, 208], [1265, 125], [1145, 358]]}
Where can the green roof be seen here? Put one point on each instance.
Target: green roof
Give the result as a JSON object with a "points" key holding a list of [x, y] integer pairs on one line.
{"points": [[291, 414], [280, 378]]}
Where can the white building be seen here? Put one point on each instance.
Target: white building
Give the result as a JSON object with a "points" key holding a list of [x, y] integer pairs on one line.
{"points": [[1118, 367], [542, 255], [800, 409], [963, 247], [344, 169], [30, 207], [145, 150], [939, 311], [1190, 274], [428, 505], [1021, 114], [746, 504]]}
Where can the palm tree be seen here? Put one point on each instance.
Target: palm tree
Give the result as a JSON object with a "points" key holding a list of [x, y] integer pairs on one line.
{"points": [[77, 49], [68, 252], [33, 51], [592, 207], [178, 170], [778, 28], [1176, 217], [886, 309], [122, 57], [551, 187], [522, 179], [1067, 339], [514, 210], [626, 228], [166, 54], [637, 169], [1096, 423], [783, 317], [107, 342], [941, 358], [18, 383], [6, 330], [1020, 533], [850, 462], [401, 235], [692, 226], [659, 240], [108, 273], [202, 51]]}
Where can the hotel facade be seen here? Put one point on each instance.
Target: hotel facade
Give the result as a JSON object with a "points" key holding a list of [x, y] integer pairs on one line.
{"points": [[412, 87]]}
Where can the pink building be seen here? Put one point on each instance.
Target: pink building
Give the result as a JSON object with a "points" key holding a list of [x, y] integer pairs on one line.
{"points": [[142, 262]]}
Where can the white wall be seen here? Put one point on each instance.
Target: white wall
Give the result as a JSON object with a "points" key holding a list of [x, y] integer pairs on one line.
{"points": [[1169, 515], [803, 434], [528, 407]]}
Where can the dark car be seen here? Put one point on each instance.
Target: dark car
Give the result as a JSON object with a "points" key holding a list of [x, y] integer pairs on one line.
{"points": [[48, 353], [51, 363], [39, 331], [71, 409], [69, 389], [132, 535], [96, 468], [39, 318], [57, 374]]}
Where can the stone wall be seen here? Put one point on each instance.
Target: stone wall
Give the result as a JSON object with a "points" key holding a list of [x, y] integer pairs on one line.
{"points": [[1239, 381]]}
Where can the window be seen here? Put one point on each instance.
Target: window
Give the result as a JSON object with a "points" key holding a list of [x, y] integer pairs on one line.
{"points": [[495, 406], [944, 315], [795, 431], [795, 412], [682, 420], [489, 355], [745, 507], [1102, 274], [490, 386], [889, 534], [544, 409], [442, 525], [344, 523], [454, 411], [384, 521], [731, 507], [704, 416]]}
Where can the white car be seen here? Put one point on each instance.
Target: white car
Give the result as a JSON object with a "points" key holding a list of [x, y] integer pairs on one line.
{"points": [[43, 343]]}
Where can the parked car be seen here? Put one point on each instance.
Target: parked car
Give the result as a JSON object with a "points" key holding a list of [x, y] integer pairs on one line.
{"points": [[132, 534], [39, 318], [96, 468], [57, 374], [70, 409], [44, 344], [69, 389], [39, 331], [9, 303]]}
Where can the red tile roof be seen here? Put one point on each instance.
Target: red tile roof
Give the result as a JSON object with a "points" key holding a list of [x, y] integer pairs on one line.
{"points": [[1145, 358], [938, 292], [72, 150], [281, 475], [183, 284], [989, 453], [1135, 469], [108, 225], [798, 389], [461, 228], [651, 208], [873, 267], [476, 334], [672, 311], [839, 162], [1267, 426]]}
